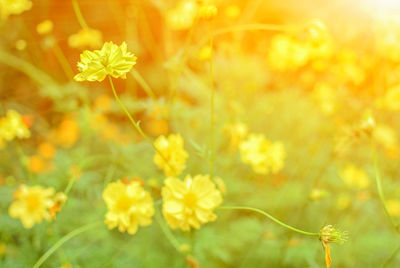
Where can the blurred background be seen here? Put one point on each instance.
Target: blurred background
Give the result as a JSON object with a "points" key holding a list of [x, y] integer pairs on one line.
{"points": [[311, 75]]}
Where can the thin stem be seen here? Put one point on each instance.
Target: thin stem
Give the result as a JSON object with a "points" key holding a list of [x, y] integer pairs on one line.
{"points": [[63, 61], [139, 78], [379, 186], [78, 14], [63, 240], [212, 149], [167, 232], [135, 124], [270, 217], [70, 184]]}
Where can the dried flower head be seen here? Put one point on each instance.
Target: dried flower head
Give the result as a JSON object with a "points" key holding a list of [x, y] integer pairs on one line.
{"points": [[330, 234]]}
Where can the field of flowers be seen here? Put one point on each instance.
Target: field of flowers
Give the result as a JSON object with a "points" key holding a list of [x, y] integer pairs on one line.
{"points": [[199, 133]]}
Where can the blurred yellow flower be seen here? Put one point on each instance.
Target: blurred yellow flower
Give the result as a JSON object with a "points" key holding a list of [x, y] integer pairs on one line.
{"points": [[207, 11], [172, 148], [264, 156], [13, 126], [20, 44], [204, 53], [236, 133], [128, 206], [111, 60], [46, 150], [86, 38], [386, 137], [188, 204], [343, 202], [286, 53], [393, 207], [31, 204], [67, 133], [13, 7], [355, 177], [325, 97], [317, 194], [232, 11], [45, 27], [391, 100], [182, 16], [36, 164]]}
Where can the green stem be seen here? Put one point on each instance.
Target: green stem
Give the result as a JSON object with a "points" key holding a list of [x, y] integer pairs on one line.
{"points": [[63, 240], [139, 78], [270, 217], [135, 124], [63, 61], [78, 14], [167, 232], [379, 186], [212, 112]]}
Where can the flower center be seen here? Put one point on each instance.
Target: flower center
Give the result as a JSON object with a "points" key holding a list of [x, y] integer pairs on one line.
{"points": [[190, 199], [124, 203], [33, 202]]}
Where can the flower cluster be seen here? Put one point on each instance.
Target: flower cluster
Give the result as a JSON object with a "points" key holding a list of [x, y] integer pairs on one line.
{"points": [[173, 158], [263, 155], [111, 60], [188, 204], [129, 206], [13, 126]]}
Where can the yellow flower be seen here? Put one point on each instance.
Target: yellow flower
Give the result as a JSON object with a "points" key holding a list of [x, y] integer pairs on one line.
{"points": [[393, 207], [264, 156], [207, 11], [236, 133], [13, 126], [172, 149], [20, 44], [46, 150], [31, 204], [13, 7], [45, 27], [386, 136], [286, 53], [111, 60], [355, 177], [36, 164], [129, 206], [67, 133], [182, 16], [191, 202], [325, 97], [86, 38]]}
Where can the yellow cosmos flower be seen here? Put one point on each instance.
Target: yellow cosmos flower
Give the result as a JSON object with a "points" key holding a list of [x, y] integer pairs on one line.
{"points": [[172, 149], [129, 206], [393, 207], [183, 15], [12, 126], [86, 38], [111, 60], [264, 156], [191, 202], [236, 132], [13, 7], [207, 11], [45, 27], [355, 177], [31, 204]]}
